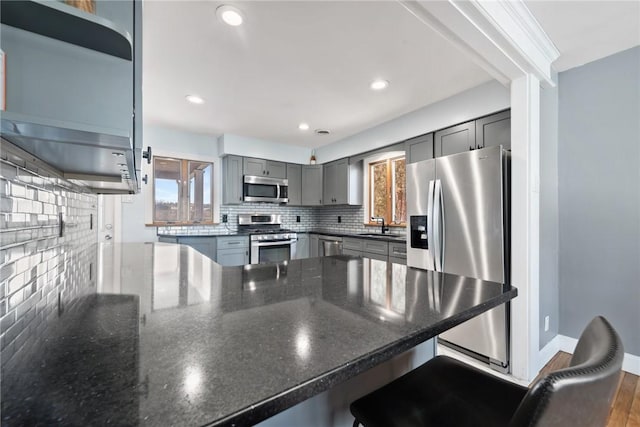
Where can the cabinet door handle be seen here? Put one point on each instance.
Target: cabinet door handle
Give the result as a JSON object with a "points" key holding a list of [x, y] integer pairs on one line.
{"points": [[233, 243], [267, 172]]}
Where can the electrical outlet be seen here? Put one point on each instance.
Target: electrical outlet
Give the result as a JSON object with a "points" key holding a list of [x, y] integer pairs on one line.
{"points": [[339, 219], [546, 323], [225, 218], [297, 218]]}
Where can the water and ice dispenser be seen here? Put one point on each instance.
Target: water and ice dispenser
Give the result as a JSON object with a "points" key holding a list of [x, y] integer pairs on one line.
{"points": [[418, 231]]}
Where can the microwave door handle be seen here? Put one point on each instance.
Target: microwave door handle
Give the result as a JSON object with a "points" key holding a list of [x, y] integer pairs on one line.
{"points": [[277, 191]]}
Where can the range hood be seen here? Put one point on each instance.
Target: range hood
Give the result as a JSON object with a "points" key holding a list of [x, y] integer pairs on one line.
{"points": [[101, 159]]}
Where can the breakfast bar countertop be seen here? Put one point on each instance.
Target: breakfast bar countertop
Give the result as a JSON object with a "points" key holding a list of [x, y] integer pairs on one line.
{"points": [[165, 336]]}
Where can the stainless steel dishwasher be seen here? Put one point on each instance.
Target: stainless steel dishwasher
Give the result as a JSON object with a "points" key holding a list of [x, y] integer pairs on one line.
{"points": [[329, 245]]}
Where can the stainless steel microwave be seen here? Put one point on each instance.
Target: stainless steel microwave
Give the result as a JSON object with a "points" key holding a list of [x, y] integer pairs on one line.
{"points": [[262, 189]]}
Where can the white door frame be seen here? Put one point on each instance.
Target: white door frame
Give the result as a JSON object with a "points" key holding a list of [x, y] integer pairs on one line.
{"points": [[504, 39]]}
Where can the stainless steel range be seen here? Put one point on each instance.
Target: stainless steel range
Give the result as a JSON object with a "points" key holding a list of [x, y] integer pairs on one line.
{"points": [[269, 242]]}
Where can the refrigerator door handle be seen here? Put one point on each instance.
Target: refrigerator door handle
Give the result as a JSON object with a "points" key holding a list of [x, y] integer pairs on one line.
{"points": [[430, 238], [438, 220]]}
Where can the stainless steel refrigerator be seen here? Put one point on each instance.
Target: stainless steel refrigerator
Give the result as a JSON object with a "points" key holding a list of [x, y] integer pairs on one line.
{"points": [[459, 212]]}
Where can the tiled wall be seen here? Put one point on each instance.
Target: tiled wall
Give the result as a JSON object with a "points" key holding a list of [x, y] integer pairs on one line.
{"points": [[289, 217], [41, 274], [311, 218]]}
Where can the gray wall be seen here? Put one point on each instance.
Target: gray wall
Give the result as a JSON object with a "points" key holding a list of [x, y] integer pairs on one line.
{"points": [[599, 195], [549, 239]]}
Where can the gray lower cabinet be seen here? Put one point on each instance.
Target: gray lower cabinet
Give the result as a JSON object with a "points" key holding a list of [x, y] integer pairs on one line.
{"points": [[494, 130], [395, 260], [311, 185], [232, 250], [302, 247], [398, 250], [419, 148], [456, 139], [375, 249], [314, 242], [206, 245], [232, 180], [294, 176]]}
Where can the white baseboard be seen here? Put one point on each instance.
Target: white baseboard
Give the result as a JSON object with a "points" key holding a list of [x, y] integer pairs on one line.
{"points": [[631, 362], [547, 352]]}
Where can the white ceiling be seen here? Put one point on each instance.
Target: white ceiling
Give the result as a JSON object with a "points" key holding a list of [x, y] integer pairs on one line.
{"points": [[293, 62], [584, 31], [312, 61]]}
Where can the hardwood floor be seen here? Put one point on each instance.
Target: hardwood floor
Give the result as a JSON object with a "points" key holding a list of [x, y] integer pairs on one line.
{"points": [[625, 411]]}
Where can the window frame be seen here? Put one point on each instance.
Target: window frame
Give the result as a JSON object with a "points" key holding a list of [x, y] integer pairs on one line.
{"points": [[388, 220], [183, 194]]}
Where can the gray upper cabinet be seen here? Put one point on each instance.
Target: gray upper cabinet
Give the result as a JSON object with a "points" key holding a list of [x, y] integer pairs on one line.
{"points": [[342, 184], [70, 77], [311, 185], [419, 148], [294, 176], [262, 167], [276, 169], [456, 139], [255, 167], [232, 179], [494, 130], [484, 132]]}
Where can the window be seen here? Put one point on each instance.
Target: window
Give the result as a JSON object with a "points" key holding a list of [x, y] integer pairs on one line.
{"points": [[387, 184], [182, 191]]}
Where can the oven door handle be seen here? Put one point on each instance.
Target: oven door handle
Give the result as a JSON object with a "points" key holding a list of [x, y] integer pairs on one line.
{"points": [[279, 243]]}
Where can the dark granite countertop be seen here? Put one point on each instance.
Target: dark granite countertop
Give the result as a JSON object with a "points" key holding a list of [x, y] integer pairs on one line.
{"points": [[389, 237], [172, 338]]}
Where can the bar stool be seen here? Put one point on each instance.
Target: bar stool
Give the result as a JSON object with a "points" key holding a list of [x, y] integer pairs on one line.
{"points": [[445, 392]]}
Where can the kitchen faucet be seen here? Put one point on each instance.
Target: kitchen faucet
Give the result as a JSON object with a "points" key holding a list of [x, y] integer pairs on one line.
{"points": [[380, 219]]}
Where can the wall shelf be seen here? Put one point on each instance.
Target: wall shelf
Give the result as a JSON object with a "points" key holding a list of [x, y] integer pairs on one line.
{"points": [[65, 23]]}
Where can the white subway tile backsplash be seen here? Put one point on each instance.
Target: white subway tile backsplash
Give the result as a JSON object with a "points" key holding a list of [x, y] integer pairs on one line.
{"points": [[36, 266]]}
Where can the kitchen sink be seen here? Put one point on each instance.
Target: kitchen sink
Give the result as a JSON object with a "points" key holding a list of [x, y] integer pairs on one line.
{"points": [[380, 235]]}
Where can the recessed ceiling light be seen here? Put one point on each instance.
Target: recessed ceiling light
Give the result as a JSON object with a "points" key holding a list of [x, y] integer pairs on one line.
{"points": [[303, 126], [194, 99], [379, 84], [229, 15]]}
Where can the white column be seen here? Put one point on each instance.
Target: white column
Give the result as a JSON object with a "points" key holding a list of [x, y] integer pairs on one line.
{"points": [[525, 228]]}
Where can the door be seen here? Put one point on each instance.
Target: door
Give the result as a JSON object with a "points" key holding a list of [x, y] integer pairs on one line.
{"points": [[420, 177], [109, 217], [468, 199], [108, 228]]}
